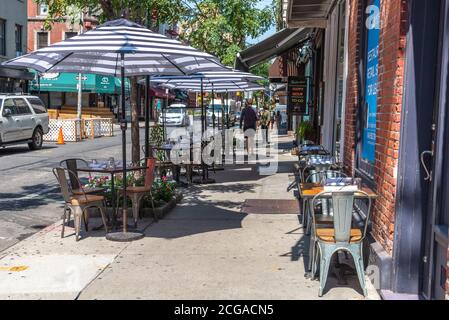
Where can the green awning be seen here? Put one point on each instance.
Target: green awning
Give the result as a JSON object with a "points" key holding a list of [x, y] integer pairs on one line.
{"points": [[68, 82]]}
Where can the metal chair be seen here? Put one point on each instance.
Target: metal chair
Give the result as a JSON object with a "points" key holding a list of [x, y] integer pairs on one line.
{"points": [[136, 194], [72, 166], [343, 236], [78, 204], [319, 177]]}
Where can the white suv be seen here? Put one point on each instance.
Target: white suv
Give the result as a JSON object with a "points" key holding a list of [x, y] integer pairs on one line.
{"points": [[23, 119]]}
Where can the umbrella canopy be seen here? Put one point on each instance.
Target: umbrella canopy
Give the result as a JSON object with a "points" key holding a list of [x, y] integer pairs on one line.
{"points": [[222, 87], [99, 51], [227, 75]]}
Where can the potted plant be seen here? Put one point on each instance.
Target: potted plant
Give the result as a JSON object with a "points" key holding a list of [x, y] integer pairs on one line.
{"points": [[304, 130]]}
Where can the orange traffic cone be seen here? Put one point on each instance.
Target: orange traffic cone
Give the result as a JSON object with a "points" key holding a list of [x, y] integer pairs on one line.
{"points": [[60, 137]]}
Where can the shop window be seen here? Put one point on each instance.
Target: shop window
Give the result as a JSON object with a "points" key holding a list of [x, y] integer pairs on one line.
{"points": [[367, 119], [2, 37]]}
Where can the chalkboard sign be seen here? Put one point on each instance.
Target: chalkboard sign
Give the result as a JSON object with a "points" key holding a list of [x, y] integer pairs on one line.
{"points": [[297, 91]]}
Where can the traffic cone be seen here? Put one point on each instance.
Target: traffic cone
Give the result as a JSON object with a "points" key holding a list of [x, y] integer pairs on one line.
{"points": [[60, 137]]}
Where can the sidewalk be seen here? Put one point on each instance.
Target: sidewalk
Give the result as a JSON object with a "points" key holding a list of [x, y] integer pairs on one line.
{"points": [[205, 249]]}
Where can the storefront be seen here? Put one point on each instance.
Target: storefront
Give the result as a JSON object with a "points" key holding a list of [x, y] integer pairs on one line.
{"points": [[60, 91], [14, 80]]}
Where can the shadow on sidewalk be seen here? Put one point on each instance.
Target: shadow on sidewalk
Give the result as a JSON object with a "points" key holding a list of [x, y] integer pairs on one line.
{"points": [[196, 219]]}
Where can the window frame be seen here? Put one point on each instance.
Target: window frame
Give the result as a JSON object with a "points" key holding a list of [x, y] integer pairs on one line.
{"points": [[18, 30], [37, 39], [18, 108], [3, 37]]}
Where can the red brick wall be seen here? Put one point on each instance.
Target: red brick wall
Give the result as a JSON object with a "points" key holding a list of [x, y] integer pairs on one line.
{"points": [[36, 23], [390, 90]]}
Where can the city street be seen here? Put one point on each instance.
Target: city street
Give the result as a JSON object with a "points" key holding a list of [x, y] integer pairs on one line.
{"points": [[29, 196]]}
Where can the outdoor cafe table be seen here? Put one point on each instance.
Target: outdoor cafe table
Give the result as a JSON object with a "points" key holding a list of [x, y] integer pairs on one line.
{"points": [[112, 172], [308, 191]]}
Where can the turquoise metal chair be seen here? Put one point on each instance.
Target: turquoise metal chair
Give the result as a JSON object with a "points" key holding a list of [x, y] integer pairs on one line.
{"points": [[342, 237]]}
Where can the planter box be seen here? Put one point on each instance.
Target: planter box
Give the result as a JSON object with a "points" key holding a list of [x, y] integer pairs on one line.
{"points": [[159, 211]]}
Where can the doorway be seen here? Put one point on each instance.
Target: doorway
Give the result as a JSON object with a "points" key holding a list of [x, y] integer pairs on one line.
{"points": [[436, 238]]}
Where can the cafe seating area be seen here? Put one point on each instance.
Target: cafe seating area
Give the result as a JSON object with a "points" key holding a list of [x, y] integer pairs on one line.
{"points": [[335, 212]]}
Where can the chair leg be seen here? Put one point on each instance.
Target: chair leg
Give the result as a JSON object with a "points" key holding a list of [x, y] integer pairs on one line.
{"points": [[325, 261], [103, 217], [316, 254], [304, 213], [77, 217], [85, 219], [135, 207], [356, 252], [64, 217], [152, 206]]}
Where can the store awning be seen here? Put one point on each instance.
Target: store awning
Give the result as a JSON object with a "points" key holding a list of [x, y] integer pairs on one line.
{"points": [[68, 82], [307, 13], [160, 93], [14, 73], [273, 46]]}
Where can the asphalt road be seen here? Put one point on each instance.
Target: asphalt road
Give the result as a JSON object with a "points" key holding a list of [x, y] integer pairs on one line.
{"points": [[30, 199]]}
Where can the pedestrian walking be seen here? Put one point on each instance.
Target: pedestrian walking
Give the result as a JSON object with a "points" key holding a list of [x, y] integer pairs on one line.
{"points": [[248, 119], [272, 119], [264, 124]]}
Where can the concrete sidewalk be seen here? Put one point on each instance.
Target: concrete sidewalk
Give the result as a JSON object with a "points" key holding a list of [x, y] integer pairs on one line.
{"points": [[204, 249]]}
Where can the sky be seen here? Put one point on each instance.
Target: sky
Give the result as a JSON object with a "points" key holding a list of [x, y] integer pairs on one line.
{"points": [[272, 30]]}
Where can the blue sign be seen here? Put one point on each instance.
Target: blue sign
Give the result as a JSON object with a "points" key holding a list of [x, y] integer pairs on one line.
{"points": [[372, 76]]}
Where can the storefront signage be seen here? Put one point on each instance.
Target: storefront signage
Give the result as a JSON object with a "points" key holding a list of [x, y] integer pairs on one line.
{"points": [[372, 64], [297, 93]]}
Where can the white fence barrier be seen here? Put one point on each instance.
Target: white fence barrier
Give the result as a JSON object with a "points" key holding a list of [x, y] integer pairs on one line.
{"points": [[75, 130], [71, 130]]}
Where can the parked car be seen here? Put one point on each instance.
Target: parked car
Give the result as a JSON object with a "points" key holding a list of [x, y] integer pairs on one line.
{"points": [[175, 115], [218, 110], [23, 119]]}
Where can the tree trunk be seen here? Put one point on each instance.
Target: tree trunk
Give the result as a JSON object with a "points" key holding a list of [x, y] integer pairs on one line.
{"points": [[135, 133]]}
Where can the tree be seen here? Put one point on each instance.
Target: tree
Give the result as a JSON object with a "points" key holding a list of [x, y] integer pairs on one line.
{"points": [[140, 11], [222, 27]]}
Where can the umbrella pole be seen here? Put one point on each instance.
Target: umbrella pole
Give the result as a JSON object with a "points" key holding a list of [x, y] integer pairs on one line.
{"points": [[227, 109], [147, 117], [124, 236], [213, 108], [204, 179]]}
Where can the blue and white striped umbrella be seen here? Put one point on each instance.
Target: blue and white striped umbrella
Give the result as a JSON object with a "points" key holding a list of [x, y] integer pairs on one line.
{"points": [[100, 51]]}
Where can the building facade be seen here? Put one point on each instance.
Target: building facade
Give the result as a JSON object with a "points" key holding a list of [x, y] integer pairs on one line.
{"points": [[378, 96], [385, 112], [13, 43]]}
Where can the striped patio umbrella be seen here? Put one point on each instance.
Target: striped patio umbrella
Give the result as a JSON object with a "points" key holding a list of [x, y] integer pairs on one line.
{"points": [[119, 48], [116, 44]]}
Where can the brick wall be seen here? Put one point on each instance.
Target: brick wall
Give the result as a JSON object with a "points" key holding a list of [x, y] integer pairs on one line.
{"points": [[390, 90]]}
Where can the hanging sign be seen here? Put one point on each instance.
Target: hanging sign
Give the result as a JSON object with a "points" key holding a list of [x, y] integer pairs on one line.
{"points": [[297, 93]]}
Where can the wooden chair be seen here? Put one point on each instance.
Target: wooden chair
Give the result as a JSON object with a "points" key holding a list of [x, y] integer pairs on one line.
{"points": [[136, 194], [343, 236], [72, 166], [78, 204]]}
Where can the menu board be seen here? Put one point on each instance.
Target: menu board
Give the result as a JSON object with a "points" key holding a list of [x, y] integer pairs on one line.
{"points": [[297, 92]]}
